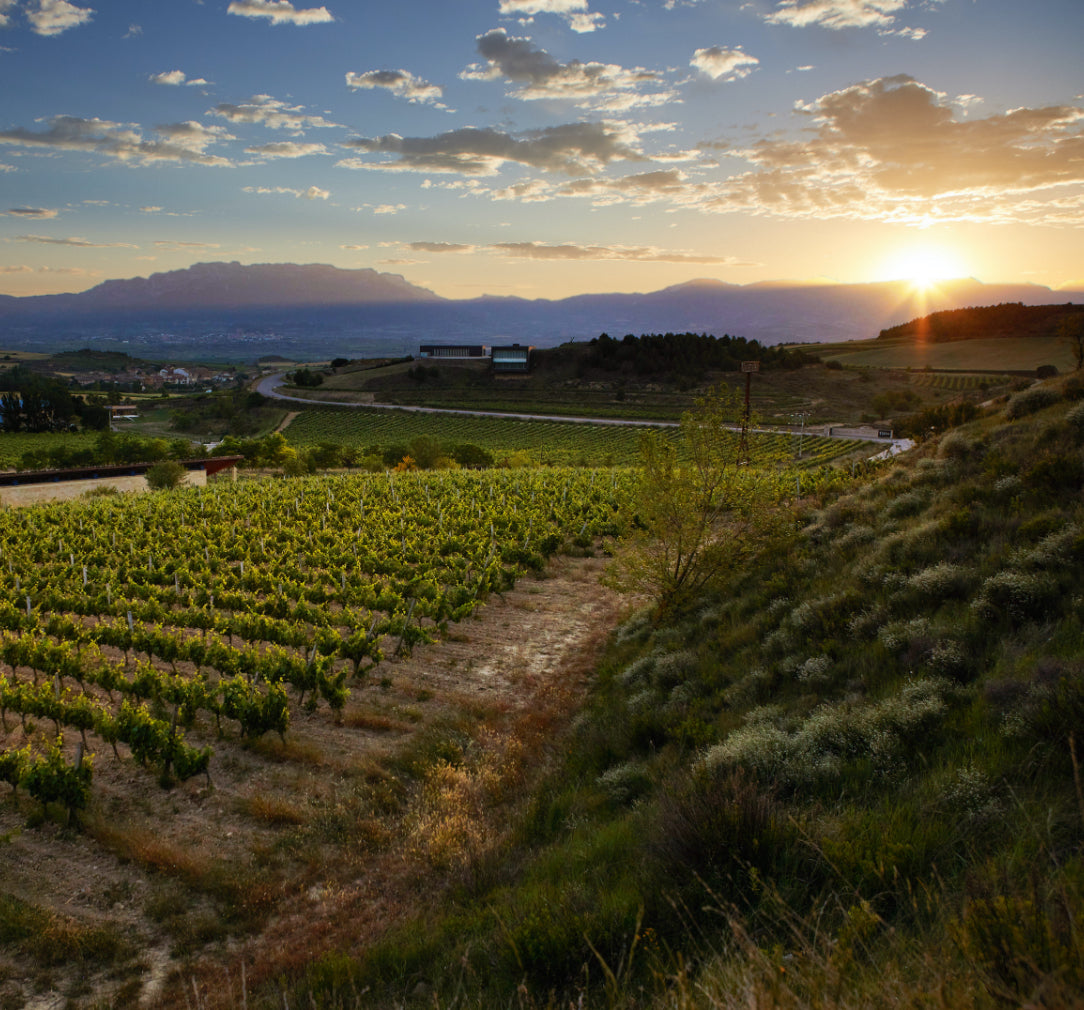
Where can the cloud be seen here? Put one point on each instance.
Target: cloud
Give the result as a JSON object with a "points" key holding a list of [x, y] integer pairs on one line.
{"points": [[134, 31], [840, 14], [286, 149], [37, 213], [639, 254], [728, 64], [596, 85], [353, 248], [270, 112], [51, 17], [892, 149], [5, 17], [440, 247], [23, 269], [150, 210], [638, 189], [280, 12], [176, 78], [400, 83], [389, 208], [80, 243], [575, 12], [312, 193], [169, 244], [124, 142], [574, 148]]}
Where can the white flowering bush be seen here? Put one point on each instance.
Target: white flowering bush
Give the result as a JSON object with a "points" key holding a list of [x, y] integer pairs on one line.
{"points": [[1029, 401], [814, 751], [940, 582], [1016, 595], [815, 670]]}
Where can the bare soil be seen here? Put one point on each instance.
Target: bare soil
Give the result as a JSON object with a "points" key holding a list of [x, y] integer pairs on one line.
{"points": [[196, 894]]}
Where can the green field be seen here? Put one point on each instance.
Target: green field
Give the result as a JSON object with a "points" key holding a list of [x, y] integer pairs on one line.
{"points": [[14, 444], [549, 442], [997, 354]]}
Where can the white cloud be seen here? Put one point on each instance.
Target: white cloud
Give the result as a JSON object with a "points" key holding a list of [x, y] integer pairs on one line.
{"points": [[5, 17], [270, 112], [389, 208], [150, 210], [401, 83], [575, 12], [134, 31], [840, 14], [124, 141], [280, 12], [312, 193], [893, 150], [594, 85], [51, 17], [728, 64], [171, 77], [286, 149], [176, 78]]}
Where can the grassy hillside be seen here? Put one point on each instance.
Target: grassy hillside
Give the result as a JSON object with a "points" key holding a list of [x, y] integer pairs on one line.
{"points": [[849, 776]]}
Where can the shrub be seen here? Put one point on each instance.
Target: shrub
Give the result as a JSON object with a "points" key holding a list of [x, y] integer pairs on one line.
{"points": [[1030, 401], [164, 475], [1074, 418], [956, 445], [1016, 596]]}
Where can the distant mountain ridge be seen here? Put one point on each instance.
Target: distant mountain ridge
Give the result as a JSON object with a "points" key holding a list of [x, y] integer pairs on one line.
{"points": [[322, 310], [233, 285]]}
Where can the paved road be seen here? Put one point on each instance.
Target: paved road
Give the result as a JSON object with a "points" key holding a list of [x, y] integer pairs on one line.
{"points": [[268, 385]]}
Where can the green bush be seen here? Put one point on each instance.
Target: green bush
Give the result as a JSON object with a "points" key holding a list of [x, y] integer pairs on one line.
{"points": [[1030, 401], [164, 475]]}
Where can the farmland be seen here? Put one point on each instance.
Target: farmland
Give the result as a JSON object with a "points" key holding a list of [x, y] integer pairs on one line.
{"points": [[550, 442]]}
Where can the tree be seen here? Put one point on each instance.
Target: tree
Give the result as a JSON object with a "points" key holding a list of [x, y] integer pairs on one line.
{"points": [[1071, 331], [164, 475], [697, 510]]}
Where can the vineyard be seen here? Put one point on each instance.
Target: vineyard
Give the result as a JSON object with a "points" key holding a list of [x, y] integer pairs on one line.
{"points": [[137, 625], [14, 445], [563, 443], [956, 382], [133, 624]]}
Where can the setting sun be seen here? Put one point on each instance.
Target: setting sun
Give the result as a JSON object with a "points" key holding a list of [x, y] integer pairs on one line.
{"points": [[924, 266]]}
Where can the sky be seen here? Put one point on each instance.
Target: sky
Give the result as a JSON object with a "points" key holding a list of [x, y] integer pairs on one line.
{"points": [[544, 148]]}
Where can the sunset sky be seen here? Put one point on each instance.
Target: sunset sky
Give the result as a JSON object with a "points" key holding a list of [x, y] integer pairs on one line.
{"points": [[544, 148]]}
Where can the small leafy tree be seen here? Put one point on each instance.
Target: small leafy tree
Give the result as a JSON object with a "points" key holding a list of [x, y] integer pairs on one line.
{"points": [[697, 511], [164, 475]]}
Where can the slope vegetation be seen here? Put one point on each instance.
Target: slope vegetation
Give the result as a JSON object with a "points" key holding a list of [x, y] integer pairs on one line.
{"points": [[848, 776]]}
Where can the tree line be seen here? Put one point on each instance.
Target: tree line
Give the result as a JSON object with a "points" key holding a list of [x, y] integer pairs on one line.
{"points": [[35, 403], [688, 353]]}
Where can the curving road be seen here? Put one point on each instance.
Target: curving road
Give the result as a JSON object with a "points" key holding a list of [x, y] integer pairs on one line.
{"points": [[267, 386]]}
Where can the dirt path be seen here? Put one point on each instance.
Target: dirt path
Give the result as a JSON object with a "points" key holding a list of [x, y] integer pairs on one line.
{"points": [[296, 829]]}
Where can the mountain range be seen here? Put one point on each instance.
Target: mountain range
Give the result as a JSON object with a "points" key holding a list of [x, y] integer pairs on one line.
{"points": [[321, 310]]}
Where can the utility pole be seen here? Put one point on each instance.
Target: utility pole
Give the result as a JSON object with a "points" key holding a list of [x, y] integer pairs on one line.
{"points": [[748, 367], [801, 433]]}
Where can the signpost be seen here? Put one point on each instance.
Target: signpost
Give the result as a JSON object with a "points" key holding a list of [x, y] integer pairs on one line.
{"points": [[748, 367]]}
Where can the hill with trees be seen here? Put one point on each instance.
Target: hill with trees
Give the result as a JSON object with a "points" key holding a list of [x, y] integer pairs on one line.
{"points": [[1010, 319]]}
